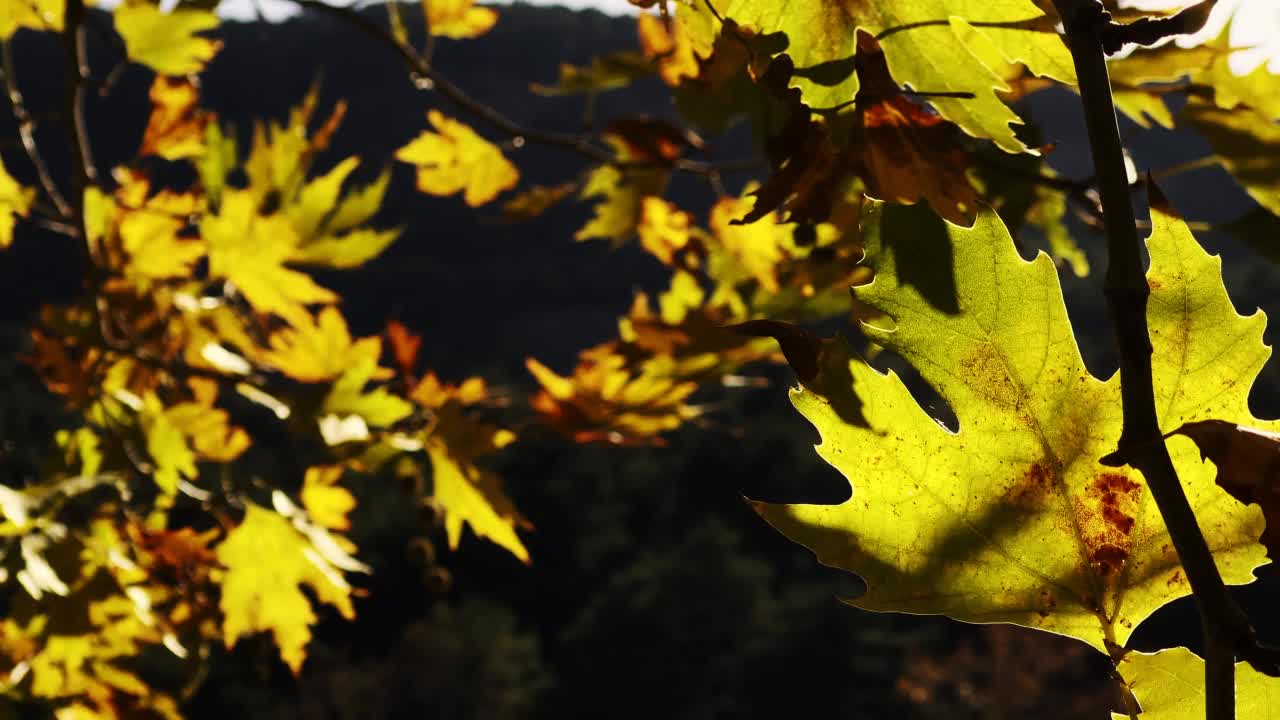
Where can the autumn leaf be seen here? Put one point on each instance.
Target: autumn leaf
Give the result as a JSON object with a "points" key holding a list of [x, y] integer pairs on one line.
{"points": [[1247, 144], [1169, 685], [604, 401], [533, 201], [922, 47], [1012, 518], [456, 443], [901, 151], [458, 19], [40, 15], [1248, 462], [327, 503], [267, 562], [320, 349], [351, 395], [621, 195], [167, 446], [166, 41], [666, 42], [15, 202], [606, 72], [752, 250], [454, 159], [206, 427], [663, 229], [176, 128], [250, 250]]}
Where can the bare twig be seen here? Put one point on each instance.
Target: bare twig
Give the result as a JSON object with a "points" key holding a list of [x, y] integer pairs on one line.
{"points": [[26, 131], [428, 77]]}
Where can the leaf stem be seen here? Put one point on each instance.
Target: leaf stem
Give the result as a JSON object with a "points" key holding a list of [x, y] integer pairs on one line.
{"points": [[1141, 446], [26, 131]]}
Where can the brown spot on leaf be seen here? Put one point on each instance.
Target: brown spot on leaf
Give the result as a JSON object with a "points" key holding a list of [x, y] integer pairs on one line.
{"points": [[1108, 559], [1154, 284], [987, 374], [1176, 579], [1116, 493], [1034, 487]]}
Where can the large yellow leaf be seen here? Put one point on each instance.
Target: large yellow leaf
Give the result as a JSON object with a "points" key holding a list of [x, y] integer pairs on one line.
{"points": [[454, 159], [458, 18], [15, 202], [166, 42], [250, 250], [1012, 518], [267, 561]]}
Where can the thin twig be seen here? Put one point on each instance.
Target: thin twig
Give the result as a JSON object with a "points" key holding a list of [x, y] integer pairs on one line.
{"points": [[429, 77], [26, 131]]}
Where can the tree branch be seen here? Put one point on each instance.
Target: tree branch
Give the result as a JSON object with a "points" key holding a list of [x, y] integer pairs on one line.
{"points": [[26, 131], [1141, 444], [429, 78]]}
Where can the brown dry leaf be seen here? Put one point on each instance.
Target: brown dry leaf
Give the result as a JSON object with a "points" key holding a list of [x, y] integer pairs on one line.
{"points": [[1248, 461]]}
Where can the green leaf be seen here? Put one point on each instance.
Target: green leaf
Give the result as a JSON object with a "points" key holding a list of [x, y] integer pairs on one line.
{"points": [[1169, 685], [166, 42], [924, 45], [1012, 518]]}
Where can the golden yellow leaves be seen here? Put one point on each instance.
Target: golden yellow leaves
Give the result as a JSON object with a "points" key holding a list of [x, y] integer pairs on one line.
{"points": [[166, 41], [267, 562], [605, 401], [319, 349], [15, 202], [250, 250], [455, 444], [454, 159], [458, 19]]}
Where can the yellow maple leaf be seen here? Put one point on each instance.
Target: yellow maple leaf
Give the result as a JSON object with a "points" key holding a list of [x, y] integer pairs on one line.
{"points": [[206, 427], [455, 159], [154, 247], [326, 502], [667, 42], [458, 19], [468, 493], [176, 127], [167, 446], [166, 42], [250, 250], [320, 349], [32, 14], [266, 561], [663, 229], [754, 248], [15, 202]]}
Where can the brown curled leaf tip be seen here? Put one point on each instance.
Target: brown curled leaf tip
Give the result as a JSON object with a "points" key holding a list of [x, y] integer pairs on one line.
{"points": [[800, 347]]}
